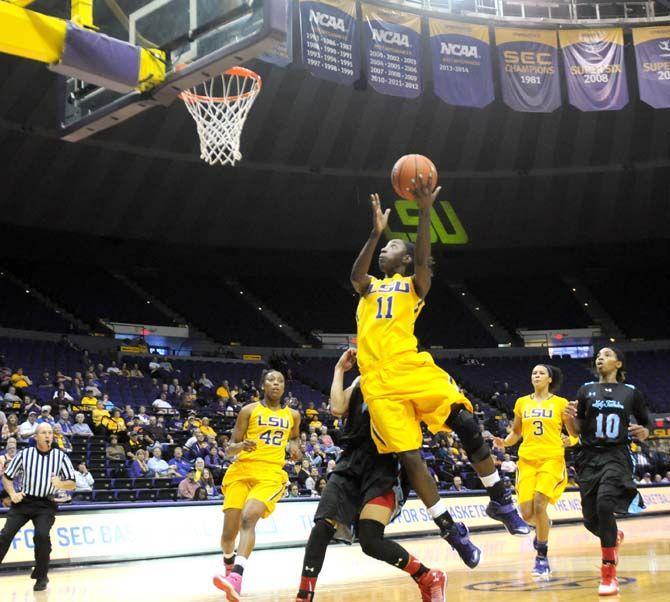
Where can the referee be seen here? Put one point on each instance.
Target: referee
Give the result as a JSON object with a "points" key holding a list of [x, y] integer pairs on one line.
{"points": [[44, 471]]}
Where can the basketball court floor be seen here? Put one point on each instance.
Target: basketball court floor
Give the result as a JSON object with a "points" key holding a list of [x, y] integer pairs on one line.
{"points": [[349, 575]]}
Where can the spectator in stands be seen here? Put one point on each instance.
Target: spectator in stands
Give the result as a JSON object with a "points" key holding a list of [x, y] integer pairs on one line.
{"points": [[61, 440], [138, 467], [65, 422], [107, 403], [125, 371], [310, 481], [87, 403], [223, 391], [100, 418], [27, 428], [310, 412], [293, 491], [132, 445], [330, 467], [45, 416], [116, 424], [161, 404], [158, 467], [45, 381], [208, 484], [61, 396], [114, 369], [166, 366], [83, 479], [136, 372], [115, 452], [316, 456], [7, 454], [196, 446], [327, 443], [199, 466], [30, 405], [20, 380], [508, 467], [80, 428], [188, 486], [666, 479], [215, 461], [203, 381], [11, 401], [10, 428], [142, 415], [61, 379], [320, 486], [180, 465], [175, 390], [658, 478], [93, 388], [458, 485], [645, 480], [205, 429]]}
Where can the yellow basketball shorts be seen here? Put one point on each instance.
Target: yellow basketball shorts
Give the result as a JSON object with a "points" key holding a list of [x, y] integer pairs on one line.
{"points": [[547, 476], [404, 392], [246, 481]]}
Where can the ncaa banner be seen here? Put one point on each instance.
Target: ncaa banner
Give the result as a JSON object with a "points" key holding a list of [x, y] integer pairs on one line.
{"points": [[652, 55], [393, 45], [461, 63], [594, 69], [330, 42], [529, 69]]}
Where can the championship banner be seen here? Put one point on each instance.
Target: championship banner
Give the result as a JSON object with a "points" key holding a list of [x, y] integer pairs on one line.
{"points": [[393, 45], [461, 55], [330, 41], [529, 69], [652, 55], [594, 69]]}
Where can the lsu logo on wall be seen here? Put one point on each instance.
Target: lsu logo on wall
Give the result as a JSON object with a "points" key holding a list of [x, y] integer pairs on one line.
{"points": [[451, 49], [325, 20], [390, 37], [445, 227]]}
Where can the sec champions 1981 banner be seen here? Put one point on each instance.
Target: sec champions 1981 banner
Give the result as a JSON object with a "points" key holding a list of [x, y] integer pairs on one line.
{"points": [[594, 69], [529, 69], [393, 45], [461, 54], [330, 40], [652, 55]]}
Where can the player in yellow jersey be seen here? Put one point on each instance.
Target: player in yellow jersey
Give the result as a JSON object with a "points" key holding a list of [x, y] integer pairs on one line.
{"points": [[542, 475], [403, 387], [256, 480]]}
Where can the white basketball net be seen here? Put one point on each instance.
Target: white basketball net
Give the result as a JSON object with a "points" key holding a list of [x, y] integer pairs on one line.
{"points": [[220, 107]]}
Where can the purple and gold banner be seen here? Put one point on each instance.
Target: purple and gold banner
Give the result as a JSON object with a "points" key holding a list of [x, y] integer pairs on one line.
{"points": [[393, 44], [461, 63], [529, 69], [594, 69], [330, 42], [652, 55]]}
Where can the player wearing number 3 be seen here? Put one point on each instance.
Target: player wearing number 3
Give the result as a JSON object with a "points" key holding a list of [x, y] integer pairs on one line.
{"points": [[542, 474], [255, 482], [604, 464]]}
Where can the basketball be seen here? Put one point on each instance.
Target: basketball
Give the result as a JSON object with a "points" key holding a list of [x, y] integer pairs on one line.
{"points": [[408, 168]]}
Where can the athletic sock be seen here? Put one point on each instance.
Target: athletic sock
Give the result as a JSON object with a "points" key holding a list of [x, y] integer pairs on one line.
{"points": [[441, 516], [229, 559], [609, 555], [497, 491], [307, 587], [415, 568], [240, 563], [542, 549]]}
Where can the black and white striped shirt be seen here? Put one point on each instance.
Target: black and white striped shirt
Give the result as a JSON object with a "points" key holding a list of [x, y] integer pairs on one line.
{"points": [[38, 468]]}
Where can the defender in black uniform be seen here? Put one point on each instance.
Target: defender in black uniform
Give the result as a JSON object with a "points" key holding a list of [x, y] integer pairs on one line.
{"points": [[365, 488], [604, 462]]}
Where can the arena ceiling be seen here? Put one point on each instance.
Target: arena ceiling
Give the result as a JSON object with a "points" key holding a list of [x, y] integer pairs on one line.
{"points": [[314, 150]]}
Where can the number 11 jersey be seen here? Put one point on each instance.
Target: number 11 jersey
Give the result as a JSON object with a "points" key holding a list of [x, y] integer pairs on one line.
{"points": [[605, 409]]}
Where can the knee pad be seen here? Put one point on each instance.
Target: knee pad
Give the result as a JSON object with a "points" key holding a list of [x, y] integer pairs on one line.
{"points": [[463, 423], [371, 538]]}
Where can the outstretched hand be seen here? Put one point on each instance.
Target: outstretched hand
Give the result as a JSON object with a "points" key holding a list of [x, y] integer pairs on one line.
{"points": [[498, 443], [379, 219], [424, 195], [347, 360], [638, 431]]}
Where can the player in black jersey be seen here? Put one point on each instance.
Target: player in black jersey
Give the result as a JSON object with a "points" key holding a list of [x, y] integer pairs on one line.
{"points": [[604, 463], [366, 489]]}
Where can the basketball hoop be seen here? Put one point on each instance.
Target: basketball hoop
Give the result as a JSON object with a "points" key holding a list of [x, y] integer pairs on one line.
{"points": [[220, 107]]}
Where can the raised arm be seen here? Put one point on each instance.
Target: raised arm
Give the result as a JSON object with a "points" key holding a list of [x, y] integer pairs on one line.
{"points": [[339, 398], [425, 197], [360, 278]]}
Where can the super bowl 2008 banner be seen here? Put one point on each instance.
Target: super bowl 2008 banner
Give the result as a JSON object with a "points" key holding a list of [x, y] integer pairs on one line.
{"points": [[461, 54], [652, 56], [393, 51], [595, 73], [528, 61], [330, 40]]}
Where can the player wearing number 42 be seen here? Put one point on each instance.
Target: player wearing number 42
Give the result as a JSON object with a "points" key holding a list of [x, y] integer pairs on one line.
{"points": [[256, 481], [604, 464]]}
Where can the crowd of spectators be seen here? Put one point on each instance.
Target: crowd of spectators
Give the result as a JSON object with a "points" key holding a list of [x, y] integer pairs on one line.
{"points": [[182, 436]]}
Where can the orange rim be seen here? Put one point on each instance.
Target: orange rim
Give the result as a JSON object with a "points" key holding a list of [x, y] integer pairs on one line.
{"points": [[188, 96]]}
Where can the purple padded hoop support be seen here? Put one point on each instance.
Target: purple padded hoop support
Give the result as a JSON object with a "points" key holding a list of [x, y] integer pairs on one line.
{"points": [[100, 60]]}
